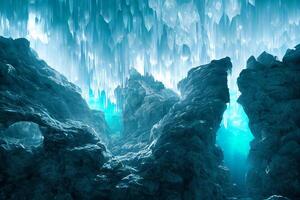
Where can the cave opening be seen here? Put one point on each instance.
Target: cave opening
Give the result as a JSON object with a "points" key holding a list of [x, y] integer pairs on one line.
{"points": [[234, 137]]}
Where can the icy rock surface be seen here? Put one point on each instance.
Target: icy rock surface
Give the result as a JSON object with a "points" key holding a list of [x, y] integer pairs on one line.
{"points": [[277, 197], [47, 148], [144, 102], [270, 95], [185, 162], [29, 88]]}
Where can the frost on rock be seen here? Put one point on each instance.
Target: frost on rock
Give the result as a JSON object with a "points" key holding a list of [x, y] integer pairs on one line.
{"points": [[185, 160], [48, 135], [27, 134], [144, 102]]}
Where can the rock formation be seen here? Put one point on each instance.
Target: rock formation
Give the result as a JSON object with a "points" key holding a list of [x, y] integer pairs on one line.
{"points": [[31, 89], [144, 102], [183, 161], [51, 142], [50, 145], [270, 95], [184, 147]]}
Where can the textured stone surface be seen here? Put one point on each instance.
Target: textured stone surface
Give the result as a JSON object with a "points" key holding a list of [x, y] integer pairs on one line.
{"points": [[144, 102], [270, 95], [181, 160], [49, 148], [184, 162], [29, 88]]}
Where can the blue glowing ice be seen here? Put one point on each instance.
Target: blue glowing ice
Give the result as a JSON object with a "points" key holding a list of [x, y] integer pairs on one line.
{"points": [[234, 138], [94, 43]]}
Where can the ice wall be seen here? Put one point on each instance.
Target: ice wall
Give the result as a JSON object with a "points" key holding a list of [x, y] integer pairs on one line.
{"points": [[94, 43]]}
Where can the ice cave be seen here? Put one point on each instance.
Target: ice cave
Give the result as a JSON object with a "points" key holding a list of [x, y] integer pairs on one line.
{"points": [[150, 99]]}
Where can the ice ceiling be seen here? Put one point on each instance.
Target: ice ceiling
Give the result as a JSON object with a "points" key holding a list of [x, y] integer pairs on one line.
{"points": [[94, 43]]}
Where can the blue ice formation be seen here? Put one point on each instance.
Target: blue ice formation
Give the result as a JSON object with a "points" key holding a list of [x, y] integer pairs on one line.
{"points": [[95, 43]]}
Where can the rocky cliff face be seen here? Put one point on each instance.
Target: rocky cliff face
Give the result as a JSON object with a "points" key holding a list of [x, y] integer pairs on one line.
{"points": [[31, 89], [50, 145], [185, 162], [144, 102], [270, 95]]}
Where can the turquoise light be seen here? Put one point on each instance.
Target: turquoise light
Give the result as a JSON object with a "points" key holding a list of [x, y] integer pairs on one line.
{"points": [[234, 137], [113, 116]]}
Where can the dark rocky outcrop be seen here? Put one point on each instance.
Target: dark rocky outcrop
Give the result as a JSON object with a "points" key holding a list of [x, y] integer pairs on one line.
{"points": [[49, 139], [144, 102], [270, 95], [180, 160], [183, 161], [31, 89]]}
